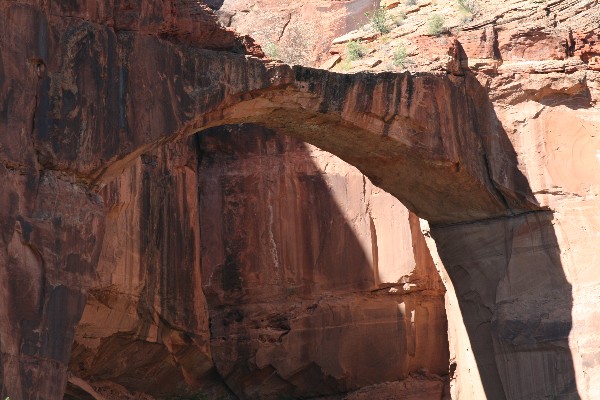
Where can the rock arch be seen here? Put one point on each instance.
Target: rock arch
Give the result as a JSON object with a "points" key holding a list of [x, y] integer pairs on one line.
{"points": [[85, 94], [420, 137]]}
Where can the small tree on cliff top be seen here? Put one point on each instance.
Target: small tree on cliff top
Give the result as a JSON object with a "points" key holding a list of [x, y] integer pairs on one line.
{"points": [[380, 20]]}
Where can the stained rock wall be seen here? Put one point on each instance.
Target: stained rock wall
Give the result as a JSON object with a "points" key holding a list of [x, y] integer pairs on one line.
{"points": [[51, 234], [75, 141], [87, 90], [316, 282], [147, 315]]}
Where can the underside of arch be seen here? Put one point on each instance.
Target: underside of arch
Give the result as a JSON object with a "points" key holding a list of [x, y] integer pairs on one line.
{"points": [[82, 95]]}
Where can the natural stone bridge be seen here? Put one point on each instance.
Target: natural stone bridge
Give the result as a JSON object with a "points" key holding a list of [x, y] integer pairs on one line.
{"points": [[420, 137], [81, 98]]}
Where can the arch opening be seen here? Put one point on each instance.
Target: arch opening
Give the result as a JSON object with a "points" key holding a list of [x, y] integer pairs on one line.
{"points": [[432, 141]]}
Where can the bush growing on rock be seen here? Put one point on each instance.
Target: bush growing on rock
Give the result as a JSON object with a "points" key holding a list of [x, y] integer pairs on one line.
{"points": [[380, 20], [400, 57], [435, 26], [355, 50]]}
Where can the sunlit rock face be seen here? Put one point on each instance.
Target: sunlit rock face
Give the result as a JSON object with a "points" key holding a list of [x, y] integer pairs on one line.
{"points": [[524, 286], [317, 282], [131, 251], [297, 32]]}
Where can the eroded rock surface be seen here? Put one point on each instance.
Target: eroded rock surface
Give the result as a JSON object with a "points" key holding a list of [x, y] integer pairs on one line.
{"points": [[146, 314], [309, 270], [297, 32], [92, 94], [282, 266], [52, 231]]}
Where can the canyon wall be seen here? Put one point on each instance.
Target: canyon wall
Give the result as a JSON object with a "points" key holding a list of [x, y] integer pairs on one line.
{"points": [[297, 32], [316, 281], [130, 251], [533, 293], [279, 245]]}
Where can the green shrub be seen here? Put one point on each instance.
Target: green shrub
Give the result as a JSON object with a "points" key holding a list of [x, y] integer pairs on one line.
{"points": [[468, 6], [411, 2], [272, 50], [380, 20], [435, 26], [400, 56], [355, 50], [399, 19]]}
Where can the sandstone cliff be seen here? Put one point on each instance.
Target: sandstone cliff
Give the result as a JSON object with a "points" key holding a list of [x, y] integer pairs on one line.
{"points": [[243, 264], [297, 32], [249, 208], [316, 281]]}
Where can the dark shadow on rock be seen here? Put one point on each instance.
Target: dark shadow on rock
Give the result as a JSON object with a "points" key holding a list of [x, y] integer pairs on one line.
{"points": [[576, 98], [516, 304], [214, 4], [286, 278], [514, 297], [497, 153]]}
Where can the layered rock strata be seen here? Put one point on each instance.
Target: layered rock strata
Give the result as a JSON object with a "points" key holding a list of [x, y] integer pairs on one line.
{"points": [[83, 92]]}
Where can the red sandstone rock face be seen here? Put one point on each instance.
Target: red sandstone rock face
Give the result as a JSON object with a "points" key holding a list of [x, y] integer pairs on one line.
{"points": [[183, 21], [282, 269], [146, 315], [81, 99], [52, 231], [378, 118], [141, 330], [302, 272]]}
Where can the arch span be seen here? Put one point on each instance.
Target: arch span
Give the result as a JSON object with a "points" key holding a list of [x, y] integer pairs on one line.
{"points": [[81, 95], [425, 138], [103, 96]]}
